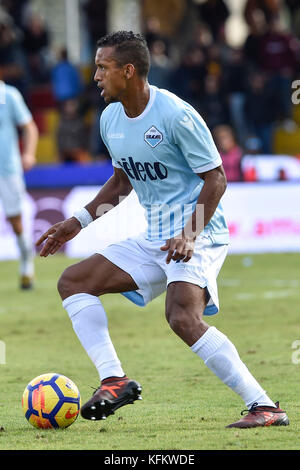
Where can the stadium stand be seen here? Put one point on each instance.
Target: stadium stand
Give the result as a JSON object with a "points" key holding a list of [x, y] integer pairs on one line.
{"points": [[198, 64]]}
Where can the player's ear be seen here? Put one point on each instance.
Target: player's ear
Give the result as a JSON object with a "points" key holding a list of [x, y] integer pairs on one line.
{"points": [[129, 70]]}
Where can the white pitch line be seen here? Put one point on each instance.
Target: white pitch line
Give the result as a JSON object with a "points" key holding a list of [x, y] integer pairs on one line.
{"points": [[245, 296], [279, 294], [269, 295]]}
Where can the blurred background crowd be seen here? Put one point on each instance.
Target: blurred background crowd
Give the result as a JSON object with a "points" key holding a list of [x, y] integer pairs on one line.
{"points": [[235, 61]]}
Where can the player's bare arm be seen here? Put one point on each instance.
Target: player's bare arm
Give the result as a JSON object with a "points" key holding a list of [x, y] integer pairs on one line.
{"points": [[182, 247], [109, 195], [30, 137], [117, 186]]}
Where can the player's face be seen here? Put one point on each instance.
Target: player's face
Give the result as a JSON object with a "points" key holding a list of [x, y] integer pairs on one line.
{"points": [[109, 75]]}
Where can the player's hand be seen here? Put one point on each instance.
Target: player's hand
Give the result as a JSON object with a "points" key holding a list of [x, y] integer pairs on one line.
{"points": [[181, 248], [28, 161], [57, 235]]}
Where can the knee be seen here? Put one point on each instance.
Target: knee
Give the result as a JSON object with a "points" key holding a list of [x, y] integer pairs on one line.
{"points": [[66, 283], [177, 318], [185, 320]]}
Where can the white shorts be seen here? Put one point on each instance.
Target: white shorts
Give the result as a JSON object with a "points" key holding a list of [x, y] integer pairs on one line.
{"points": [[12, 191], [146, 264]]}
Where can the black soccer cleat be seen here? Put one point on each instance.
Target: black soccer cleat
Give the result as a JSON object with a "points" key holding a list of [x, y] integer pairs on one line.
{"points": [[112, 394]]}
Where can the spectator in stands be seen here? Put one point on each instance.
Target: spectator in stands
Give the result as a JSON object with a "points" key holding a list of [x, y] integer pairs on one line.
{"points": [[278, 58], [278, 49], [161, 65], [72, 134], [188, 78], [214, 13], [257, 27], [294, 10], [96, 19], [270, 8], [17, 10], [153, 32], [36, 42], [230, 152], [252, 145], [12, 59], [66, 78], [235, 88], [261, 109], [213, 106], [214, 61], [202, 36]]}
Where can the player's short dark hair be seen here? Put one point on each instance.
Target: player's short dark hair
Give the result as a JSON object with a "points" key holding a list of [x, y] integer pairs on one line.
{"points": [[130, 48]]}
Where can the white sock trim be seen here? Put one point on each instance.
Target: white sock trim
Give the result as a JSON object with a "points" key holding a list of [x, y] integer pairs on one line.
{"points": [[209, 343], [75, 303]]}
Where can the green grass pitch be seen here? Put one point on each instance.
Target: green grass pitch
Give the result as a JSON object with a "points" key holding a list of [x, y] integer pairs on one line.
{"points": [[184, 405]]}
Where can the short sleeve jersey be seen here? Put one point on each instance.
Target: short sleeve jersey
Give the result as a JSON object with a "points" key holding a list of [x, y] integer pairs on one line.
{"points": [[161, 151], [13, 113]]}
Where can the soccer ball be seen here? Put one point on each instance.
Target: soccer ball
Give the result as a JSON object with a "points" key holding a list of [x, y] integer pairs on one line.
{"points": [[51, 401]]}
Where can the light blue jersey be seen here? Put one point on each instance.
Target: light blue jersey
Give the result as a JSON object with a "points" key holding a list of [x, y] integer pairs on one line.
{"points": [[161, 151], [13, 113]]}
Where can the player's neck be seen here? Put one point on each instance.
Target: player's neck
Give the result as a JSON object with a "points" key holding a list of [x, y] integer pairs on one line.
{"points": [[136, 99]]}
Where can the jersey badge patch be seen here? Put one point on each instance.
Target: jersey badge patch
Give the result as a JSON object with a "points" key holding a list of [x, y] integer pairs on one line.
{"points": [[153, 137]]}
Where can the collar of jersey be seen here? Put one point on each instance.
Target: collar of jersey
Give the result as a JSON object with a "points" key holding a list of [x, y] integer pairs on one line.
{"points": [[147, 108]]}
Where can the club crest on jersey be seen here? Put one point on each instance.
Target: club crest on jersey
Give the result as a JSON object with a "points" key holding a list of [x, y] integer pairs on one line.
{"points": [[153, 137]]}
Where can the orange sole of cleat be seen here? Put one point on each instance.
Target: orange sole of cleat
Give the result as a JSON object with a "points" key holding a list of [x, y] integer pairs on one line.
{"points": [[100, 410]]}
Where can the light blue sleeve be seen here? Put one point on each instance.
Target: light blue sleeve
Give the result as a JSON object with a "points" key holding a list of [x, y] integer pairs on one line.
{"points": [[103, 133], [20, 111], [191, 134], [102, 125]]}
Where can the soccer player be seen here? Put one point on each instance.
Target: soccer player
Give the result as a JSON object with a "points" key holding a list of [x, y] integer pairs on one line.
{"points": [[14, 117], [161, 148]]}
